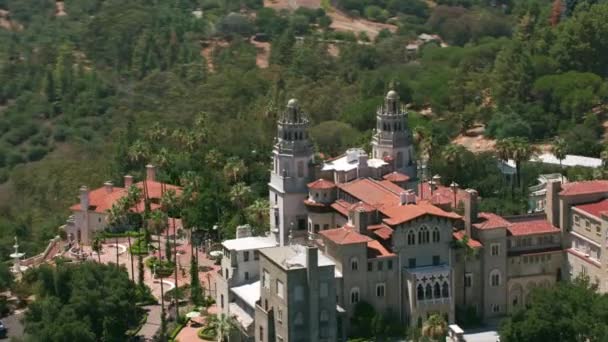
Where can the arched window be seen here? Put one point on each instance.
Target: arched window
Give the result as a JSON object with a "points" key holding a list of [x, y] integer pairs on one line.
{"points": [[420, 291], [436, 291], [411, 238], [354, 264], [436, 234], [428, 291], [324, 316], [354, 295], [399, 159], [445, 290], [495, 278], [423, 235]]}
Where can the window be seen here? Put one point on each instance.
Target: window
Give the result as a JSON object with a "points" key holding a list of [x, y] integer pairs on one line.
{"points": [[323, 290], [411, 238], [445, 290], [380, 266], [380, 290], [222, 301], [428, 291], [266, 279], [261, 333], [299, 292], [423, 235], [587, 225], [266, 304], [280, 289], [495, 249], [354, 264], [256, 255], [227, 274], [436, 260], [324, 316], [280, 316], [316, 228], [354, 295], [299, 320], [246, 255], [468, 280], [598, 230], [370, 267], [420, 292], [411, 262], [326, 226], [495, 308], [436, 291], [301, 224], [495, 278], [389, 264], [276, 219], [246, 275], [436, 236]]}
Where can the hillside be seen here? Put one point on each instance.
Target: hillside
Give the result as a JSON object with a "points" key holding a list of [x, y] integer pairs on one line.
{"points": [[91, 90]]}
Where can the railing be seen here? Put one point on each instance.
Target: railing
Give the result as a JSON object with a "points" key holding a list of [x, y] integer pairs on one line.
{"points": [[38, 259]]}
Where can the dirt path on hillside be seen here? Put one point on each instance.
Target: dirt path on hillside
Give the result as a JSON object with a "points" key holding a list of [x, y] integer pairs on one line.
{"points": [[60, 9], [7, 23], [263, 53]]}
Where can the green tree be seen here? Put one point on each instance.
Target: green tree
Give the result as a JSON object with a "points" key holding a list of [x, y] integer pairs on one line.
{"points": [[512, 74], [559, 149], [568, 311], [223, 326], [97, 246], [435, 327]]}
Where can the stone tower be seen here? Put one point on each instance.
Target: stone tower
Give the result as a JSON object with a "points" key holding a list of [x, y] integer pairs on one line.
{"points": [[292, 156], [393, 137]]}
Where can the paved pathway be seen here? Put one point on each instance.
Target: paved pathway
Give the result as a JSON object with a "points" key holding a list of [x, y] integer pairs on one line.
{"points": [[13, 325], [149, 329]]}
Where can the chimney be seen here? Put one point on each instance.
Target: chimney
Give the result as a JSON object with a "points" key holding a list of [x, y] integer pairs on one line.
{"points": [[552, 202], [84, 198], [243, 231], [108, 186], [362, 167], [403, 198], [470, 210], [312, 273], [128, 179], [150, 173], [360, 218]]}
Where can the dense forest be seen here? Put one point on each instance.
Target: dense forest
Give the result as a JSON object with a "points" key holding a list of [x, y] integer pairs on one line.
{"points": [[106, 87]]}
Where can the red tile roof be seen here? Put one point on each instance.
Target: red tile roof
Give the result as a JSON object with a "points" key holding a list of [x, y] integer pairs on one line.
{"points": [[344, 236], [321, 184], [491, 221], [396, 177], [381, 230], [404, 213], [441, 194], [584, 187], [100, 200], [361, 206], [531, 227], [341, 206], [313, 203], [376, 250], [384, 196], [459, 235], [594, 209]]}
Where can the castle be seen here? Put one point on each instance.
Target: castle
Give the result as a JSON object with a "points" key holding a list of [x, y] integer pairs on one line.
{"points": [[362, 227]]}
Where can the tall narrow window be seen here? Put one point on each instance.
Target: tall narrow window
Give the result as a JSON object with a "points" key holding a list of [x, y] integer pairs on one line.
{"points": [[280, 289], [354, 264], [354, 295], [428, 291], [411, 238], [445, 290], [420, 292], [436, 236], [436, 291]]}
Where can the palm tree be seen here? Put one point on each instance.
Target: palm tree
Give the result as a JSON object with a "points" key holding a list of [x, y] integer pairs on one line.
{"points": [[504, 152], [469, 252], [435, 327], [158, 223], [139, 151], [223, 326], [171, 205], [452, 154], [522, 152], [258, 213], [240, 195], [97, 247], [559, 149], [234, 169]]}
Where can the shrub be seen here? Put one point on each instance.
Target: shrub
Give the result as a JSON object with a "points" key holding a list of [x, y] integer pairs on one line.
{"points": [[207, 333], [36, 153]]}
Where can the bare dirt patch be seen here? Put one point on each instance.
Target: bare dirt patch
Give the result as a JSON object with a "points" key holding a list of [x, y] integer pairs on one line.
{"points": [[60, 9], [7, 23], [333, 50], [263, 53], [208, 47], [342, 22]]}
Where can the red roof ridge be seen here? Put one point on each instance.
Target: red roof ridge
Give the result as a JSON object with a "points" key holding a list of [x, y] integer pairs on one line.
{"points": [[491, 221], [344, 236], [594, 208], [396, 176], [584, 187], [376, 250], [321, 184]]}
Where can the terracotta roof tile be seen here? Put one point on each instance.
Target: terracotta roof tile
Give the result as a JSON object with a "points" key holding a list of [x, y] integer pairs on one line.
{"points": [[584, 187], [341, 206], [396, 177], [441, 194], [381, 230], [361, 206], [404, 213], [531, 227], [595, 208], [370, 192], [321, 184], [491, 221], [344, 236], [313, 203], [459, 235], [376, 250]]}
